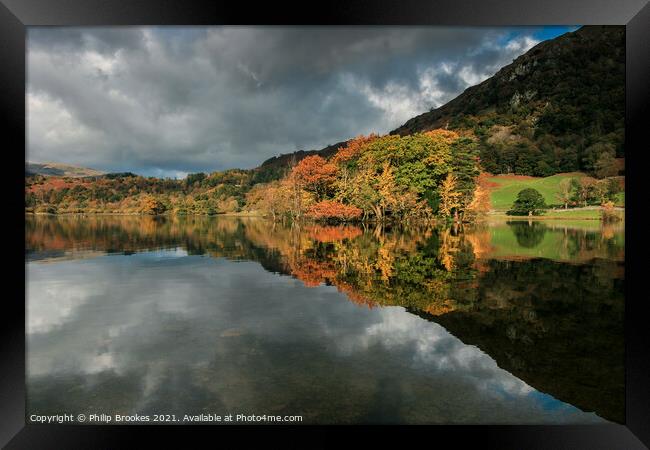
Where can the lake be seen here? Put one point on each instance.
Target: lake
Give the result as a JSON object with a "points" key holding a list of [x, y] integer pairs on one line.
{"points": [[502, 323]]}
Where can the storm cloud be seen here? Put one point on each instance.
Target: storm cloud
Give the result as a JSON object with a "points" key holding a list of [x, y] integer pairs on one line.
{"points": [[166, 101]]}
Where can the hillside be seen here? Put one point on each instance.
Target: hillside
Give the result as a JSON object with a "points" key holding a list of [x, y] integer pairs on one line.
{"points": [[59, 170], [558, 108], [504, 188]]}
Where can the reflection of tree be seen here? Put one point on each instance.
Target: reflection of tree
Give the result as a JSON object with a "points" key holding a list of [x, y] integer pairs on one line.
{"points": [[535, 317], [528, 234]]}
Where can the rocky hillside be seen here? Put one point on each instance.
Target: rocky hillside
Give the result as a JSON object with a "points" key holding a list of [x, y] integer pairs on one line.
{"points": [[560, 107]]}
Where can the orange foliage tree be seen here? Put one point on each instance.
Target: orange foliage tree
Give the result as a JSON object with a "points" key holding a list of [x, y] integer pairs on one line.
{"points": [[315, 174], [480, 204], [151, 205], [449, 197], [445, 135], [331, 209], [353, 148]]}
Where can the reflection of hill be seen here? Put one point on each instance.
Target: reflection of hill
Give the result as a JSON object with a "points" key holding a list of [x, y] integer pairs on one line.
{"points": [[558, 328], [545, 302]]}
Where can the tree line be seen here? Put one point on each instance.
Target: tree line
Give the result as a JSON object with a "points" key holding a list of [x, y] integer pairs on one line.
{"points": [[372, 178], [378, 178]]}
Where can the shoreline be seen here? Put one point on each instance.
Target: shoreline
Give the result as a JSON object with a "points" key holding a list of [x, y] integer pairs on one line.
{"points": [[490, 217], [141, 214]]}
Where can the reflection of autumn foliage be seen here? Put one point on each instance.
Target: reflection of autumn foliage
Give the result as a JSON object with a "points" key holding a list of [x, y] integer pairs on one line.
{"points": [[449, 246], [313, 272], [609, 214], [354, 295], [331, 209], [425, 269], [332, 233], [438, 309], [481, 243]]}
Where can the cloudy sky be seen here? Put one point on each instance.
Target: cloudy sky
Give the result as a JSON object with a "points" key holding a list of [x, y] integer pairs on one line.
{"points": [[166, 101]]}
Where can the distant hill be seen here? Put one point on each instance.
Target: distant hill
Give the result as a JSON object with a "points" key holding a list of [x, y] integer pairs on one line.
{"points": [[59, 170]]}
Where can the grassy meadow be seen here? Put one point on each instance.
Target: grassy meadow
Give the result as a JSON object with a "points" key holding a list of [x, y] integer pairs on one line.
{"points": [[504, 190]]}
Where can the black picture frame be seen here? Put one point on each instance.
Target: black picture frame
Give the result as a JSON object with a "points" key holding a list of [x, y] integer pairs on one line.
{"points": [[16, 15]]}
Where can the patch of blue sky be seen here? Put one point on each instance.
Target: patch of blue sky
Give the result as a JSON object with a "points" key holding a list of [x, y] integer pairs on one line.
{"points": [[542, 33]]}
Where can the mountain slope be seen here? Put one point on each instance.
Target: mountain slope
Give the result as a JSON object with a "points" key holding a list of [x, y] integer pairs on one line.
{"points": [[558, 108]]}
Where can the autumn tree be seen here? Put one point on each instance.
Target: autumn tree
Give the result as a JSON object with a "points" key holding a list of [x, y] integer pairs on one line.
{"points": [[333, 210], [480, 204], [608, 212], [584, 190], [315, 174], [449, 196], [353, 148], [387, 190], [360, 191], [151, 205]]}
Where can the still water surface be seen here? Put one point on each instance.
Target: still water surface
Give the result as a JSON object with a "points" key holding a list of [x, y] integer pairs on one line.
{"points": [[507, 323]]}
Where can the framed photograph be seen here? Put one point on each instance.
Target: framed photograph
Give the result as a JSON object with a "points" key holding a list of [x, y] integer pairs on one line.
{"points": [[389, 220]]}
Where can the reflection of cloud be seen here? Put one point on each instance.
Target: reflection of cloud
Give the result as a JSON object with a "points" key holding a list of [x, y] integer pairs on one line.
{"points": [[435, 349], [51, 303], [194, 332]]}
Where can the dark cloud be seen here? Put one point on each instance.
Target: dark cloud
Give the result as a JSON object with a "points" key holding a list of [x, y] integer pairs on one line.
{"points": [[170, 100]]}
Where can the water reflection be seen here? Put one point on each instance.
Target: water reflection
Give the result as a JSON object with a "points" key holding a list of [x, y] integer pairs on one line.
{"points": [[528, 234], [493, 334]]}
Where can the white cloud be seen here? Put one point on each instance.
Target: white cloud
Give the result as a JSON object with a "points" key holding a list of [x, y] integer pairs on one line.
{"points": [[521, 44]]}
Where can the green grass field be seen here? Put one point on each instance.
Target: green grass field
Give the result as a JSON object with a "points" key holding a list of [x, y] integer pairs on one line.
{"points": [[508, 186], [551, 214]]}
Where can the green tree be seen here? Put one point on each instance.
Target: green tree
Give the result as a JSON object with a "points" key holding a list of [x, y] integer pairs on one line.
{"points": [[193, 178], [465, 168], [529, 202]]}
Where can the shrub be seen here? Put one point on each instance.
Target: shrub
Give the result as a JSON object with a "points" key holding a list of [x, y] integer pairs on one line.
{"points": [[608, 213]]}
